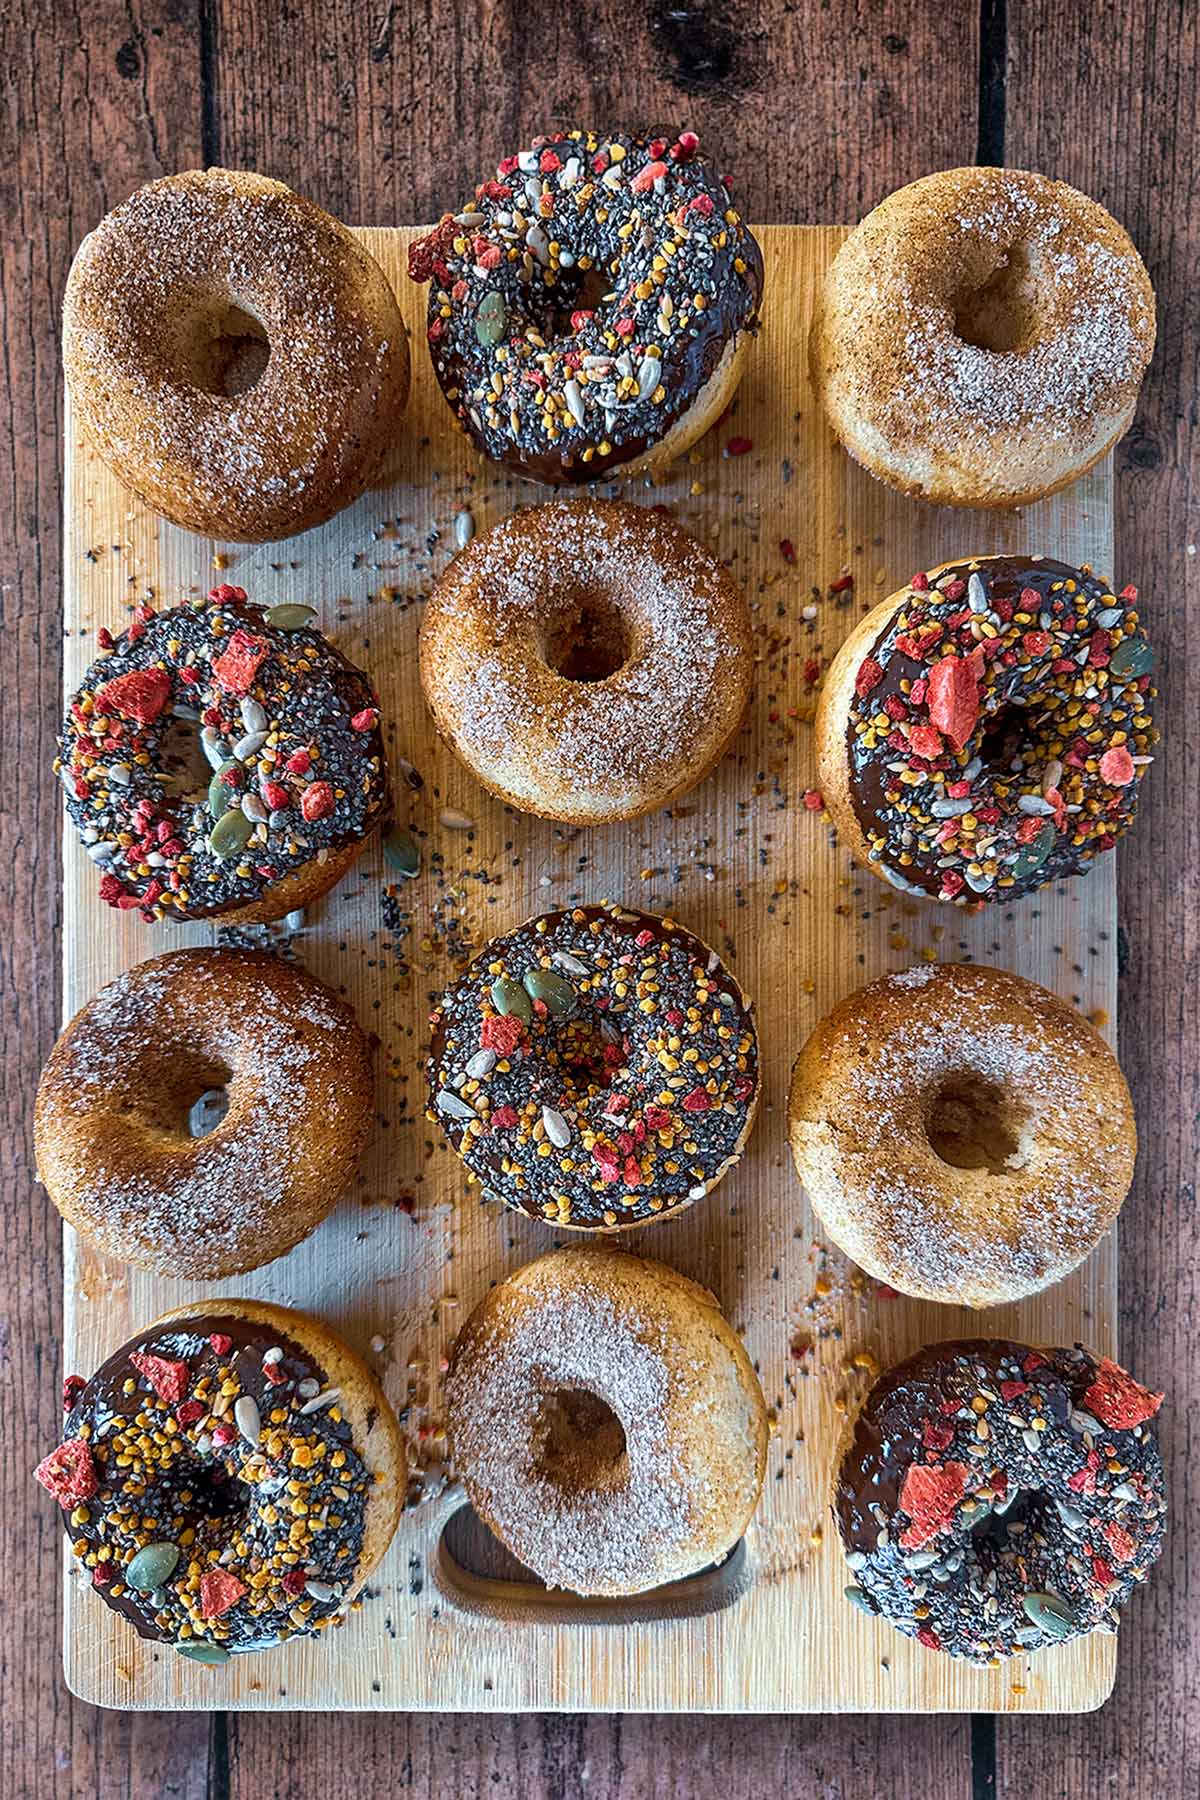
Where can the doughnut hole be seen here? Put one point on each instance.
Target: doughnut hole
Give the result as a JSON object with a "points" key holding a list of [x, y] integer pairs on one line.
{"points": [[181, 758], [580, 1442], [187, 1098], [588, 641], [224, 349], [1002, 314], [971, 1123]]}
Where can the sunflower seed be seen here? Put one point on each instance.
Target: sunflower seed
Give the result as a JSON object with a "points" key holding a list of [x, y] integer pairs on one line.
{"points": [[246, 1418], [464, 528], [481, 1064], [325, 1398], [556, 1128], [452, 1106]]}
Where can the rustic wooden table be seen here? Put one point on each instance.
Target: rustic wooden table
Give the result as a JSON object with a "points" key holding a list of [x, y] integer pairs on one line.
{"points": [[380, 110]]}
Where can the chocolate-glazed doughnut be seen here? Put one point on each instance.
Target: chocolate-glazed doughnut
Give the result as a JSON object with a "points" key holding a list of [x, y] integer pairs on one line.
{"points": [[296, 778], [229, 1477], [985, 730], [592, 306], [596, 1069], [995, 1498]]}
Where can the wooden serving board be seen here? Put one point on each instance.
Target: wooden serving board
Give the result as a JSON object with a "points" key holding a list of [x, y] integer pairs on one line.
{"points": [[745, 864]]}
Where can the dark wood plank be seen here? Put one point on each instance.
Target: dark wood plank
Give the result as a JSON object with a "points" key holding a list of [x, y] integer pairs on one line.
{"points": [[97, 97], [630, 1757], [1106, 99]]}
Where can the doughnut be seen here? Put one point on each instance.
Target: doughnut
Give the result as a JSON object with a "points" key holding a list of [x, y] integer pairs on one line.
{"points": [[229, 1478], [596, 1068], [233, 354], [985, 730], [288, 776], [994, 1498], [591, 309], [587, 660], [982, 336], [962, 1134], [204, 1111], [606, 1422]]}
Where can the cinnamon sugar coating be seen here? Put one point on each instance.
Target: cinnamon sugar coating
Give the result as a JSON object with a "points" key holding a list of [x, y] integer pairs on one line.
{"points": [[172, 305], [606, 1422], [982, 337], [962, 1133]]}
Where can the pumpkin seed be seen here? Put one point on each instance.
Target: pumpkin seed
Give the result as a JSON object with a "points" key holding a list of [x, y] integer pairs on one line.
{"points": [[402, 852], [220, 795], [510, 999], [213, 1654], [1050, 1614], [230, 835], [856, 1597], [1034, 855], [1133, 657], [554, 991], [491, 318], [151, 1567], [291, 617]]}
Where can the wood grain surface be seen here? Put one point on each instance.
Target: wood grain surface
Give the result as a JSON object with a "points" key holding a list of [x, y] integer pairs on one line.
{"points": [[821, 110], [742, 862]]}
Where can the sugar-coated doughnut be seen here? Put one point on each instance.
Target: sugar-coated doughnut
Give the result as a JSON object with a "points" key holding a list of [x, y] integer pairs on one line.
{"points": [[130, 1139], [606, 1422], [982, 337], [587, 660], [592, 307], [994, 1498], [229, 1478], [961, 1132], [596, 1068], [986, 729], [234, 355], [296, 778]]}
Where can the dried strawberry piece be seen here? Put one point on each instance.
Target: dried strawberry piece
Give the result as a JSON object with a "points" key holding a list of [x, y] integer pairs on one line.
{"points": [[504, 1118], [502, 1033], [294, 1583], [239, 662], [227, 595], [1033, 1360], [929, 1637], [1120, 1542], [1035, 643], [954, 698], [426, 252], [221, 1342], [69, 1473], [930, 1493], [607, 1161], [646, 177], [1117, 1400], [72, 1387], [1116, 766], [316, 802], [1102, 1572], [1083, 1481], [219, 1590], [869, 676], [935, 1436], [167, 1377], [658, 1118], [926, 741], [224, 1434], [697, 1100], [1011, 1390], [189, 1412], [140, 695]]}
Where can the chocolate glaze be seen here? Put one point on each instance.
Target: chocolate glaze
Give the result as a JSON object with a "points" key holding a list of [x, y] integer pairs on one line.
{"points": [[310, 692], [210, 1472], [728, 275], [1053, 853], [1039, 1535], [622, 1035]]}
